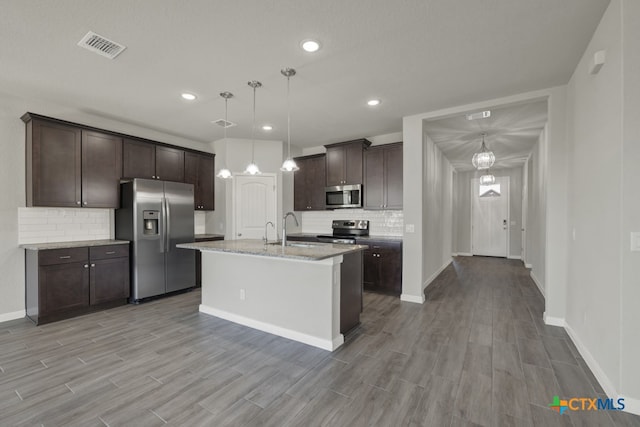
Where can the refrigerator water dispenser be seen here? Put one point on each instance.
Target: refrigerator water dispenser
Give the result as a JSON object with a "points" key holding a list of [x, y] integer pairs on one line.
{"points": [[150, 219]]}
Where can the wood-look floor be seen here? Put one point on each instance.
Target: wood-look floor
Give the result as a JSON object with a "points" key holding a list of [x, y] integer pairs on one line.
{"points": [[476, 353]]}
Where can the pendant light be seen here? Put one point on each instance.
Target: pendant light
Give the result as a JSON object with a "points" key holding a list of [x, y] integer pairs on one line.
{"points": [[289, 164], [225, 173], [484, 159], [487, 179], [252, 168]]}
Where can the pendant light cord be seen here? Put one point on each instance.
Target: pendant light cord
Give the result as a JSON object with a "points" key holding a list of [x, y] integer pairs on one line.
{"points": [[253, 127], [288, 118]]}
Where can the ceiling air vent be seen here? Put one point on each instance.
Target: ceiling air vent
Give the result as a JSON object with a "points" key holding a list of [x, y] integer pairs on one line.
{"points": [[100, 45], [223, 123]]}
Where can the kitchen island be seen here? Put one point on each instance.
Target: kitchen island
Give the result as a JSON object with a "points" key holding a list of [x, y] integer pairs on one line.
{"points": [[307, 292]]}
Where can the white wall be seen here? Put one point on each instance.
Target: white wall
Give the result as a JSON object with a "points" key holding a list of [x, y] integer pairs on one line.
{"points": [[630, 289], [604, 207], [535, 227], [381, 223], [437, 214], [12, 175], [462, 191]]}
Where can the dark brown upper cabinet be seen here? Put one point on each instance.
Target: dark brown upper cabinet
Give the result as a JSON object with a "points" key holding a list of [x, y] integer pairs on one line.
{"points": [[344, 162], [309, 183], [71, 167], [383, 177], [141, 159], [199, 171]]}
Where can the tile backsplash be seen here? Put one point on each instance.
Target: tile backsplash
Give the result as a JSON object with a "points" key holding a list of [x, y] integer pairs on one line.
{"points": [[381, 223], [44, 225]]}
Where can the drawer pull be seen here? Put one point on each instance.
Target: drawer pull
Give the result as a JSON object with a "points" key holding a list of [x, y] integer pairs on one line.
{"points": [[110, 252], [65, 257]]}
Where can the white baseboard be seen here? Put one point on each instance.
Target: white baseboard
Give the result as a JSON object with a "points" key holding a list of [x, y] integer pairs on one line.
{"points": [[465, 254], [631, 405], [602, 378], [322, 343], [454, 254], [527, 265], [412, 298], [553, 321], [5, 317], [514, 257], [537, 282]]}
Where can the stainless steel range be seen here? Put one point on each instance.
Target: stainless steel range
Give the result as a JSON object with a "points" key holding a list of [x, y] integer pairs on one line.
{"points": [[346, 231]]}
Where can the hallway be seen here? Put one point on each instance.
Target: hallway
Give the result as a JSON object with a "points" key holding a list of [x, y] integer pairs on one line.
{"points": [[476, 353]]}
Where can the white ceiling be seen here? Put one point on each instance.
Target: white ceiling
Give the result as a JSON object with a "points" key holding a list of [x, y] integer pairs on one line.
{"points": [[511, 132], [415, 55]]}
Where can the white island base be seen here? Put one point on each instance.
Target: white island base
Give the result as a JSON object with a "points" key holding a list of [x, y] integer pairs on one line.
{"points": [[293, 298]]}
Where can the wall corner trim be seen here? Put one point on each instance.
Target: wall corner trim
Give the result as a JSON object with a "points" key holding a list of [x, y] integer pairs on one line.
{"points": [[412, 298], [5, 317], [553, 321]]}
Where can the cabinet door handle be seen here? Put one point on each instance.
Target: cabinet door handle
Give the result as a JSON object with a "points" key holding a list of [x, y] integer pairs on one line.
{"points": [[110, 252], [93, 265], [86, 266], [65, 257], [157, 177], [153, 177], [85, 203], [78, 202]]}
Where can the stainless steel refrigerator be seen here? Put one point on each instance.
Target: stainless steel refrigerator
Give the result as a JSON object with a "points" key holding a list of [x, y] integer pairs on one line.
{"points": [[155, 216]]}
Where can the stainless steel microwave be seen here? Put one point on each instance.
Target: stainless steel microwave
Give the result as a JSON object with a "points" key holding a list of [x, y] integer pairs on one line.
{"points": [[343, 196]]}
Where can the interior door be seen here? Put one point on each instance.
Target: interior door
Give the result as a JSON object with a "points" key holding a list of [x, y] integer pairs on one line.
{"points": [[490, 217], [254, 205]]}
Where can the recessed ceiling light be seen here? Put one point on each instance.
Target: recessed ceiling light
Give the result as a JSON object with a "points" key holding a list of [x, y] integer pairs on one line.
{"points": [[267, 127], [310, 45], [188, 96], [373, 102]]}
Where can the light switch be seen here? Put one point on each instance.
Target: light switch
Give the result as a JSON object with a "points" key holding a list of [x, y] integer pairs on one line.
{"points": [[410, 228], [635, 241]]}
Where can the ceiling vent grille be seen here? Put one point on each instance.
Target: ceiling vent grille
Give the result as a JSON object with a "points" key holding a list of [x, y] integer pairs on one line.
{"points": [[223, 123], [101, 45]]}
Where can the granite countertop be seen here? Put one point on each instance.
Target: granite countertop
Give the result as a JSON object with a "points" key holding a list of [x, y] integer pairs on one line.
{"points": [[74, 244], [312, 252], [208, 236]]}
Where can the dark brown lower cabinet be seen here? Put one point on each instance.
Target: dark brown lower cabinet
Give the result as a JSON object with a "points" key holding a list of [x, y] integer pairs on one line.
{"points": [[383, 266], [199, 257], [63, 283]]}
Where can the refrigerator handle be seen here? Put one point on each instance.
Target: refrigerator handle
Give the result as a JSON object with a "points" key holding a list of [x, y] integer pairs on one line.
{"points": [[163, 225], [167, 224]]}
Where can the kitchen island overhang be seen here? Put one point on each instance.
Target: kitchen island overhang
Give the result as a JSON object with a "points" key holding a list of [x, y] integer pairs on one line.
{"points": [[310, 293]]}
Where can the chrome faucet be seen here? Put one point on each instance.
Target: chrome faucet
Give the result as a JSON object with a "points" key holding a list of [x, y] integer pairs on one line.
{"points": [[265, 238], [284, 226]]}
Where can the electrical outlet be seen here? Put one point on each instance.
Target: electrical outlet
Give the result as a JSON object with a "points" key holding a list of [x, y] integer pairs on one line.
{"points": [[221, 226], [410, 228], [243, 295]]}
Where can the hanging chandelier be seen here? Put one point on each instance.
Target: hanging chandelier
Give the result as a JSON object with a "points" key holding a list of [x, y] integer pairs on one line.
{"points": [[252, 168], [485, 158], [487, 179], [289, 164], [225, 173]]}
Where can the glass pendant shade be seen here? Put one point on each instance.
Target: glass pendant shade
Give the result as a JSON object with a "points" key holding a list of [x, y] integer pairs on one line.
{"points": [[484, 159], [289, 165], [252, 169], [224, 173], [487, 179]]}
